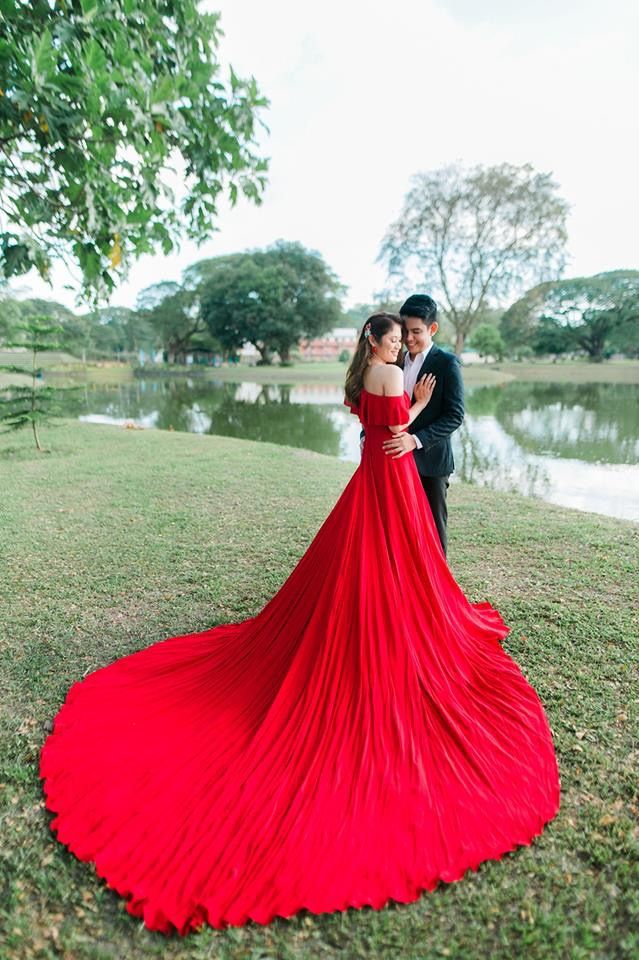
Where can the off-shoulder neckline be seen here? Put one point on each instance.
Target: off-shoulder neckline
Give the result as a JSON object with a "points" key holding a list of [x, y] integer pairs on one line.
{"points": [[385, 396]]}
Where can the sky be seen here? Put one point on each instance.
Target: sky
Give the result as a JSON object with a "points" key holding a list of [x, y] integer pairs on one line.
{"points": [[366, 94]]}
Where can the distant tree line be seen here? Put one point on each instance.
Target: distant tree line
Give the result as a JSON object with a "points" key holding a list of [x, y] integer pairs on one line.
{"points": [[596, 316], [94, 113], [271, 298], [480, 239], [474, 238], [275, 297], [488, 243]]}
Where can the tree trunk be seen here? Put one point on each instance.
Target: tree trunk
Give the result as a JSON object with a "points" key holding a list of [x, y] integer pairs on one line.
{"points": [[37, 438], [459, 342], [285, 354], [598, 344], [33, 402], [594, 348]]}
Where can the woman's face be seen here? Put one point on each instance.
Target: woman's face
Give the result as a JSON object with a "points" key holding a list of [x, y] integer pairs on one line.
{"points": [[389, 345]]}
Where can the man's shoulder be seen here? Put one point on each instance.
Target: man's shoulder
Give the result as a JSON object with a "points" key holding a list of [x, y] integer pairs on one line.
{"points": [[446, 359]]}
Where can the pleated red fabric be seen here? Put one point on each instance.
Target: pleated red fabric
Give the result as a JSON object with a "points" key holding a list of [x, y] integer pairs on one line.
{"points": [[361, 739]]}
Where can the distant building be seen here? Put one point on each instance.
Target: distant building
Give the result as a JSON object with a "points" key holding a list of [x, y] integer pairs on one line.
{"points": [[330, 346], [471, 356], [249, 354]]}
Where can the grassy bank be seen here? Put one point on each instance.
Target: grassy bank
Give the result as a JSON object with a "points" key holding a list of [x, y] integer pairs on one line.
{"points": [[119, 538], [49, 359], [298, 373], [491, 374], [571, 371], [312, 372], [329, 372], [480, 374]]}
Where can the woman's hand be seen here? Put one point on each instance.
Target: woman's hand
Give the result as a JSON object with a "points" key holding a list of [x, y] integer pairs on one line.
{"points": [[424, 389]]}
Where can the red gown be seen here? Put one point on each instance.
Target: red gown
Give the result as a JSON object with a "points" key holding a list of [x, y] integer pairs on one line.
{"points": [[361, 739]]}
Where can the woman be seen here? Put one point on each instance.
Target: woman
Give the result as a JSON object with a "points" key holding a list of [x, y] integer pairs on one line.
{"points": [[362, 738]]}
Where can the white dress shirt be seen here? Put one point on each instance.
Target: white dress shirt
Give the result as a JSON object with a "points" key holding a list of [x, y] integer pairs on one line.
{"points": [[412, 366]]}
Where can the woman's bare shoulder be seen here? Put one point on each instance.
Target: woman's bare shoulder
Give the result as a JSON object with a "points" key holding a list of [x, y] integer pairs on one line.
{"points": [[392, 380], [385, 381]]}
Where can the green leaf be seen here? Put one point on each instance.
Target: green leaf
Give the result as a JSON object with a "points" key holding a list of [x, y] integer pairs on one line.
{"points": [[14, 368], [11, 427], [16, 397], [89, 9], [44, 60], [95, 58], [164, 91], [121, 90], [90, 264], [123, 56], [15, 258], [17, 415]]}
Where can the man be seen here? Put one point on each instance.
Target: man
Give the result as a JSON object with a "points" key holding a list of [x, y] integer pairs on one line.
{"points": [[429, 434]]}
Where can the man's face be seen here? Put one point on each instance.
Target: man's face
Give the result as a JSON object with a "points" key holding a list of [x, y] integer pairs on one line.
{"points": [[418, 334]]}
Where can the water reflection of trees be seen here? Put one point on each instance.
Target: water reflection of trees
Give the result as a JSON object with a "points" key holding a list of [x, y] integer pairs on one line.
{"points": [[274, 419], [506, 425], [587, 421], [485, 464], [264, 413]]}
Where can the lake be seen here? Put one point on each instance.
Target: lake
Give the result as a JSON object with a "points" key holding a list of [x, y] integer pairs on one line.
{"points": [[572, 444]]}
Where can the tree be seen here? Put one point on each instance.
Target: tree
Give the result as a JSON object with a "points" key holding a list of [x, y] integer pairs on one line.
{"points": [[583, 313], [473, 237], [624, 338], [114, 331], [73, 333], [487, 340], [98, 101], [10, 315], [552, 338], [359, 313], [271, 298], [173, 312], [518, 325], [22, 406]]}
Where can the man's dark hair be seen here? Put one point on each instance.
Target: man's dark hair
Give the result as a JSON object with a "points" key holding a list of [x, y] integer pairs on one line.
{"points": [[420, 305]]}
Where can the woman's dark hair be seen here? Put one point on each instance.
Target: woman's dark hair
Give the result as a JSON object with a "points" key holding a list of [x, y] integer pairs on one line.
{"points": [[371, 333]]}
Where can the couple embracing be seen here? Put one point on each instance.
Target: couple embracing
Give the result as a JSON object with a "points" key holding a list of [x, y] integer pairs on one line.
{"points": [[432, 378], [361, 739]]}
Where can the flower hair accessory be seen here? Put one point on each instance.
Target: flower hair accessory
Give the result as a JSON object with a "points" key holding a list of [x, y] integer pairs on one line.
{"points": [[367, 331]]}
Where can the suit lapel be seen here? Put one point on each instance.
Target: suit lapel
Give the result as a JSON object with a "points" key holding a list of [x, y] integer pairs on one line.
{"points": [[425, 367]]}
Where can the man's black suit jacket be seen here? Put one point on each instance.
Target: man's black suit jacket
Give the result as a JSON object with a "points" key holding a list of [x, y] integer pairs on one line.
{"points": [[443, 415]]}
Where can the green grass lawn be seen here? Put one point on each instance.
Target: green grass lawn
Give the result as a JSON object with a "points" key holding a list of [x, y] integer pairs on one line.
{"points": [[333, 372], [48, 359], [570, 371], [69, 370], [312, 372], [119, 538], [64, 370]]}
